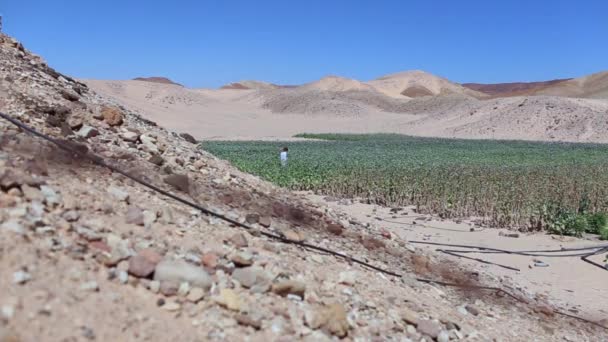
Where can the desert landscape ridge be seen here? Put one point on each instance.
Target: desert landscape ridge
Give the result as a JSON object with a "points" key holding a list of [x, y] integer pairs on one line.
{"points": [[413, 103], [125, 253]]}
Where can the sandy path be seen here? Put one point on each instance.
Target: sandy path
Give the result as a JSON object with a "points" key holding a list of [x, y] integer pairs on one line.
{"points": [[573, 285]]}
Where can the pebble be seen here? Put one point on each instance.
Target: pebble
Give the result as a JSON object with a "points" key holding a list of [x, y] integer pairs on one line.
{"points": [[195, 295], [13, 226], [134, 216], [50, 196], [149, 217], [179, 271], [443, 336], [209, 260], [249, 321], [71, 215], [169, 288], [118, 193], [91, 286], [129, 136], [183, 290], [171, 306], [179, 182], [123, 277], [286, 287], [239, 240], [242, 259], [21, 277], [348, 277], [429, 327], [144, 263], [472, 309], [87, 132], [229, 299], [154, 286], [331, 318]]}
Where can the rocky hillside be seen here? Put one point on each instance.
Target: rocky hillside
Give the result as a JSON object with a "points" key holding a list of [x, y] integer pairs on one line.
{"points": [[88, 254]]}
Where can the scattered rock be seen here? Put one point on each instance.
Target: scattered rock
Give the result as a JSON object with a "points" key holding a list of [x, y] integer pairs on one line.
{"points": [[112, 116], [69, 95], [156, 160], [409, 316], [229, 299], [265, 221], [179, 271], [331, 318], [71, 215], [87, 132], [288, 287], [144, 263], [348, 277], [169, 288], [129, 136], [252, 218], [172, 306], [135, 216], [248, 321], [510, 235], [252, 277], [472, 309], [180, 182], [118, 193], [195, 295], [239, 240], [90, 286], [335, 228], [242, 259], [188, 138], [183, 289], [209, 260], [429, 327], [21, 277], [443, 336]]}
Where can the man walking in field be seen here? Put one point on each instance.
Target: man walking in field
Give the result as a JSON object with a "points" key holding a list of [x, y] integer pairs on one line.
{"points": [[283, 156]]}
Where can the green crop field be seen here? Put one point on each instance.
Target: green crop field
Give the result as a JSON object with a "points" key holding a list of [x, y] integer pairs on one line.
{"points": [[530, 185]]}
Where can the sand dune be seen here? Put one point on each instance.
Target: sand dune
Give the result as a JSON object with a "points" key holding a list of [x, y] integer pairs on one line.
{"points": [[418, 83], [260, 110]]}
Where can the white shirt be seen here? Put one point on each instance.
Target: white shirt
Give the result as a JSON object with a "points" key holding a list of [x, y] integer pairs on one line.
{"points": [[283, 156]]}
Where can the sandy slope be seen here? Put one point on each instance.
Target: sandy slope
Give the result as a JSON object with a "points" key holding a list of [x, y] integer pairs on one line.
{"points": [[341, 105], [418, 83]]}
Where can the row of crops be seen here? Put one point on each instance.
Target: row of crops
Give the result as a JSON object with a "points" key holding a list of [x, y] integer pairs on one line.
{"points": [[531, 185]]}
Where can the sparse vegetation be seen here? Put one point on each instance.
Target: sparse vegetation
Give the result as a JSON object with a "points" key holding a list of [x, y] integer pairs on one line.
{"points": [[555, 186]]}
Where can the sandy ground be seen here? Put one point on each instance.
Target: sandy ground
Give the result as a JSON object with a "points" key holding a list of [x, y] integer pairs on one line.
{"points": [[570, 283]]}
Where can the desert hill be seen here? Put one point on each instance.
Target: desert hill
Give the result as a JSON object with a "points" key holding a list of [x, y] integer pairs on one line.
{"points": [[589, 86], [511, 89], [156, 79], [418, 83]]}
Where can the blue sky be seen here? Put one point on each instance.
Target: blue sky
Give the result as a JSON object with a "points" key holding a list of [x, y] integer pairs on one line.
{"points": [[210, 43]]}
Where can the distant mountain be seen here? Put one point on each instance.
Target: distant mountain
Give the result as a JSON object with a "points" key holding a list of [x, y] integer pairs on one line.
{"points": [[590, 86], [512, 89], [156, 79], [256, 85]]}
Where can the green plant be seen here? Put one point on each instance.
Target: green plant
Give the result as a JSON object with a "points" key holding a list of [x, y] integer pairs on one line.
{"points": [[531, 185], [598, 222]]}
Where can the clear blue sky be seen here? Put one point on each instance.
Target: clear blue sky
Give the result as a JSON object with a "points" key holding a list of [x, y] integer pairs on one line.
{"points": [[210, 43]]}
